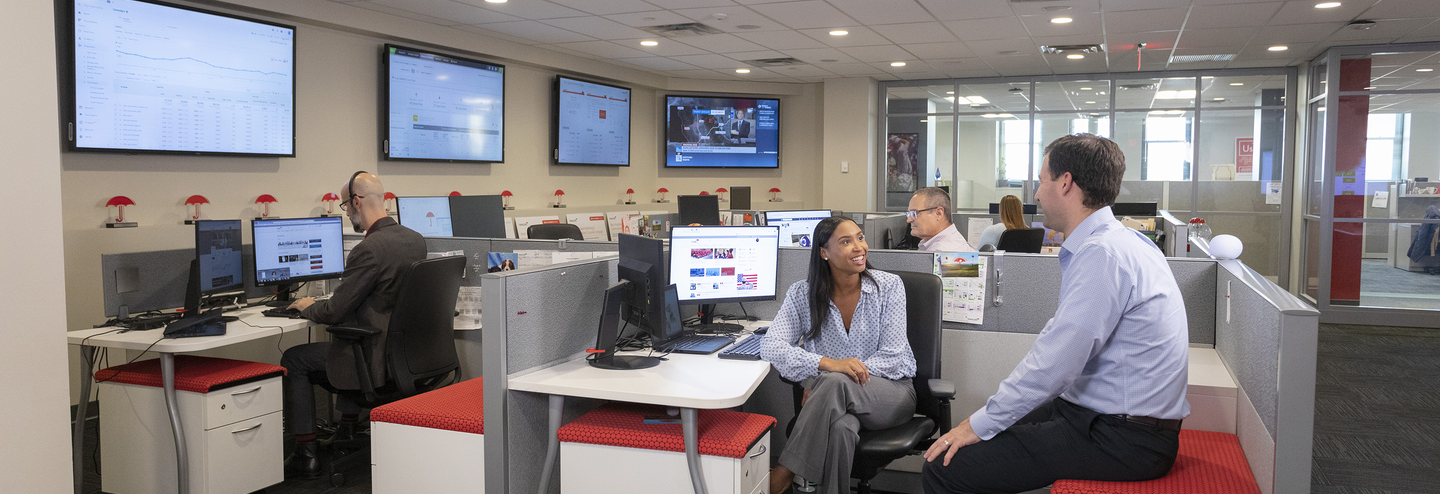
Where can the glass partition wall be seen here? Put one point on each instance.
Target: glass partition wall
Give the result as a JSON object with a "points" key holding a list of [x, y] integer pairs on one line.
{"points": [[1372, 201], [1209, 144]]}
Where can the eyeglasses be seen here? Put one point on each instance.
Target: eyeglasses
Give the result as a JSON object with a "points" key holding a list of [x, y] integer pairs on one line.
{"points": [[344, 206], [911, 214]]}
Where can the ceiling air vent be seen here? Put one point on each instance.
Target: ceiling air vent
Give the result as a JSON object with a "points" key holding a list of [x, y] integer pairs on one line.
{"points": [[774, 62], [1201, 58], [682, 30]]}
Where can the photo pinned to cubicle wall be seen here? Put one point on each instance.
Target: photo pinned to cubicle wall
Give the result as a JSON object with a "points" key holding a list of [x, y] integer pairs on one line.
{"points": [[501, 261], [962, 275]]}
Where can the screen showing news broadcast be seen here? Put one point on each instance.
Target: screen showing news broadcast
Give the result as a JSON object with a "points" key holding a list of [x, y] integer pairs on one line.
{"points": [[708, 132]]}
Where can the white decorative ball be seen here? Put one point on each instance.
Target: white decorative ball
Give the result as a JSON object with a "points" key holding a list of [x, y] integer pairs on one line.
{"points": [[1226, 247]]}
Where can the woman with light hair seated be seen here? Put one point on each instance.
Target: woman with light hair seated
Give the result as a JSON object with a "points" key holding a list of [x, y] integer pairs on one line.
{"points": [[1010, 217]]}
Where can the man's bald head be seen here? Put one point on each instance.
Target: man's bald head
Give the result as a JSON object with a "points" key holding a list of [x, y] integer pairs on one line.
{"points": [[367, 200]]}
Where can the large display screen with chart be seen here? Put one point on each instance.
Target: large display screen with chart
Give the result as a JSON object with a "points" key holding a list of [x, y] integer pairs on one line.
{"points": [[592, 123], [442, 107], [721, 132], [157, 78]]}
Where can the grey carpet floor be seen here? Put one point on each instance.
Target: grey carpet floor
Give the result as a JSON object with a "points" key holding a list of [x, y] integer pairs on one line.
{"points": [[1384, 286]]}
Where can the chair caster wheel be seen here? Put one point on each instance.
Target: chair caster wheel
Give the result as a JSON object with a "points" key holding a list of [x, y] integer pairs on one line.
{"points": [[337, 479]]}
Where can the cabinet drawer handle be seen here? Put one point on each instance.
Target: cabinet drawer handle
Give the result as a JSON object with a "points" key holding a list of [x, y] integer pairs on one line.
{"points": [[248, 429], [761, 452], [246, 392]]}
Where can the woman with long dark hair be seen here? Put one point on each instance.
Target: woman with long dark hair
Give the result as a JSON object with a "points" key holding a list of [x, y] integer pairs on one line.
{"points": [[841, 334]]}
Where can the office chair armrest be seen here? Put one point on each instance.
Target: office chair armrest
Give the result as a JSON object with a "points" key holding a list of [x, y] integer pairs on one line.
{"points": [[354, 333], [942, 389]]}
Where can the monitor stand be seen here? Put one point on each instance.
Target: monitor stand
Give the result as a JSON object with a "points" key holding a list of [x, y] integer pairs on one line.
{"points": [[625, 362], [282, 296], [708, 324]]}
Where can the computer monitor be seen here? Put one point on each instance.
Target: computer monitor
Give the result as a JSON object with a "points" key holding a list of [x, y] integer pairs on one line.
{"points": [[740, 197], [704, 210], [477, 216], [642, 263], [297, 250], [605, 357], [713, 264], [796, 227], [1024, 208], [217, 249], [428, 216]]}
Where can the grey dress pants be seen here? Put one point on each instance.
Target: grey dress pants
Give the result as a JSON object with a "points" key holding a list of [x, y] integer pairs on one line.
{"points": [[822, 446]]}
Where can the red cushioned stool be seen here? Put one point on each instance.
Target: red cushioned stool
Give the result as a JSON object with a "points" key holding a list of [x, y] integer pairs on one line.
{"points": [[230, 414], [612, 450], [1209, 462], [432, 442]]}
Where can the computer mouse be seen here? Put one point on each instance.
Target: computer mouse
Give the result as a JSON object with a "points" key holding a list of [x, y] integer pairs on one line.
{"points": [[229, 318], [762, 330]]}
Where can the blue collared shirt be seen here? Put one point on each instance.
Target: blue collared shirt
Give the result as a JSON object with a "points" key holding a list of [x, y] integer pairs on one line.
{"points": [[876, 336], [1119, 342]]}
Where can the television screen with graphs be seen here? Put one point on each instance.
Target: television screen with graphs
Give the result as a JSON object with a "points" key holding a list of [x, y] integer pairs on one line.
{"points": [[150, 77], [443, 107], [592, 123]]}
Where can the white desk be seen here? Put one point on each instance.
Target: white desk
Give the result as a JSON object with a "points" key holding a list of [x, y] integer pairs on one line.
{"points": [[252, 326], [688, 382]]}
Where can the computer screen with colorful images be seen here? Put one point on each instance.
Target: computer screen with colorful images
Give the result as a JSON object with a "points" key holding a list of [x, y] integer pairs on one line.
{"points": [[289, 251], [711, 264], [796, 227]]}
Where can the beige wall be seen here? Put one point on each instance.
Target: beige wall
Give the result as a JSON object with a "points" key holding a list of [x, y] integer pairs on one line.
{"points": [[36, 452], [849, 130]]}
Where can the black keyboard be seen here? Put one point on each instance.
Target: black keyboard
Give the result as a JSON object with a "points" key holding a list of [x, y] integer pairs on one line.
{"points": [[698, 344], [749, 349], [282, 312]]}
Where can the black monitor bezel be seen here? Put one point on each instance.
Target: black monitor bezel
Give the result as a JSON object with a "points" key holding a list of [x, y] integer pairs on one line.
{"points": [[240, 280], [385, 104], [647, 287], [665, 126], [680, 202], [670, 261], [255, 268], [555, 123]]}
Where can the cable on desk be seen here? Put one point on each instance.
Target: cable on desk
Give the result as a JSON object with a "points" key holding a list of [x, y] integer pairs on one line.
{"points": [[281, 333]]}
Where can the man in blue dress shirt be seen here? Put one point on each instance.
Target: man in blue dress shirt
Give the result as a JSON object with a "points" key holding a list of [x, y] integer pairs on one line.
{"points": [[1101, 394]]}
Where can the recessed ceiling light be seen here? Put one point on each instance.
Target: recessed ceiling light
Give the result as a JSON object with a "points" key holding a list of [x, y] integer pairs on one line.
{"points": [[1424, 70], [1084, 89], [649, 43], [1074, 56], [1219, 99], [1237, 84], [977, 100], [742, 71], [839, 32], [1327, 5], [1093, 113], [1279, 48], [923, 120], [496, 1], [897, 64], [1061, 20]]}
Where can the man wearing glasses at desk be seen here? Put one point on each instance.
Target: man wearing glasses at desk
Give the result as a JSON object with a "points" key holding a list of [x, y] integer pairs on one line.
{"points": [[929, 218]]}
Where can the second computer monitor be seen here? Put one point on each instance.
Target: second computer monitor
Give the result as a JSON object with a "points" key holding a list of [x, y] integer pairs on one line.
{"points": [[295, 250], [428, 216], [703, 210], [796, 227], [712, 264], [478, 216], [217, 248]]}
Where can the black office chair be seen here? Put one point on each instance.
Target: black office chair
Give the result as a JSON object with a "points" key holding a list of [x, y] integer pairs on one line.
{"points": [[932, 394], [419, 346], [554, 231], [1025, 240]]}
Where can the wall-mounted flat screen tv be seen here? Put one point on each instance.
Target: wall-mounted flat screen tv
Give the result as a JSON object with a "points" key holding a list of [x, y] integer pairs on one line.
{"points": [[442, 107], [721, 132], [151, 77], [592, 123]]}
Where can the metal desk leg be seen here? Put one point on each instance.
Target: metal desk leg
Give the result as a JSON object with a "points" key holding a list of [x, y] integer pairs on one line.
{"points": [[552, 453], [182, 458], [690, 425], [77, 446]]}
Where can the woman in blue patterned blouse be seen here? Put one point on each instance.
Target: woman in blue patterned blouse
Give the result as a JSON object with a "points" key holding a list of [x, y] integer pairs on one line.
{"points": [[841, 334]]}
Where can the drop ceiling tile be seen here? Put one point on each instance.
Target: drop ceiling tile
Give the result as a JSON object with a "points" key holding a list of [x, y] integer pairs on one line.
{"points": [[990, 48], [606, 7], [1296, 33], [690, 4], [668, 47], [722, 43], [805, 15], [733, 17], [1298, 12], [986, 29], [781, 40], [536, 31], [694, 74], [872, 12], [1399, 9], [598, 27], [400, 13], [449, 12], [803, 71], [883, 53], [529, 9], [1198, 38], [1015, 61], [1038, 8], [1079, 39], [1384, 29], [711, 61], [920, 32], [603, 49], [649, 18], [1241, 64], [658, 63], [846, 69], [859, 36], [755, 55], [927, 51], [1025, 70], [1139, 21], [1237, 15], [815, 55], [951, 10], [1083, 24], [972, 73], [1127, 5], [1262, 52], [1429, 30], [1160, 40], [496, 34]]}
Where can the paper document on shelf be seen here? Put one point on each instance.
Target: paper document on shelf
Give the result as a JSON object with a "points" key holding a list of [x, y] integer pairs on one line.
{"points": [[522, 225], [963, 278], [468, 305], [559, 256], [592, 225], [616, 221], [725, 217], [1382, 199], [510, 228], [533, 258], [977, 229]]}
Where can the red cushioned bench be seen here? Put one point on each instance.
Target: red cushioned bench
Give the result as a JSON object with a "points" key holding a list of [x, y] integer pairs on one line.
{"points": [[432, 442], [230, 412], [601, 451], [1209, 462]]}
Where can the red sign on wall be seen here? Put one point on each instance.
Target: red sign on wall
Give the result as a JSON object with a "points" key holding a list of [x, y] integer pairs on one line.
{"points": [[1245, 155]]}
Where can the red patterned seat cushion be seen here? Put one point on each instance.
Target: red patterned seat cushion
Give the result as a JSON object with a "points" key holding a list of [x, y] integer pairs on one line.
{"points": [[1209, 462], [459, 407], [192, 373], [722, 432]]}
